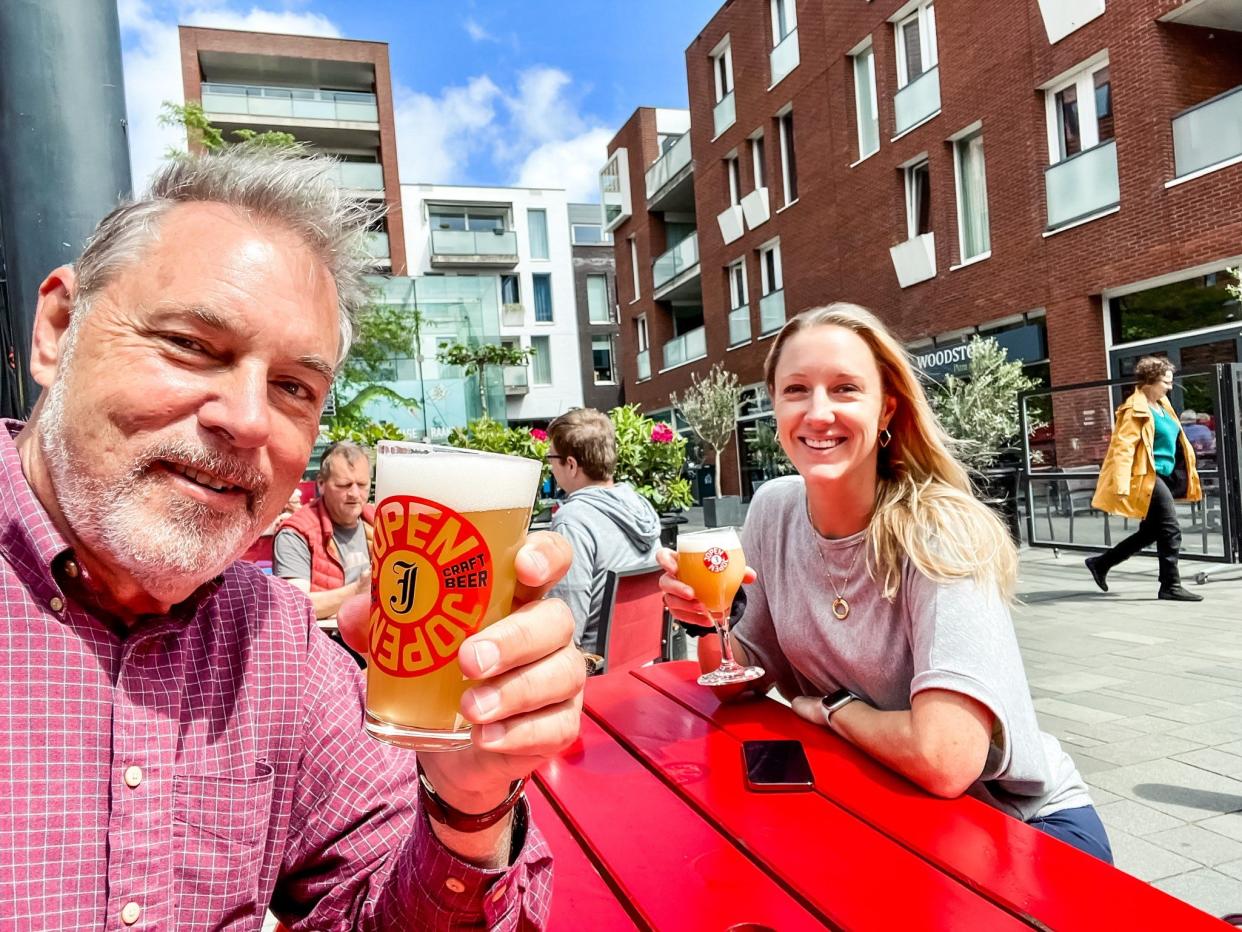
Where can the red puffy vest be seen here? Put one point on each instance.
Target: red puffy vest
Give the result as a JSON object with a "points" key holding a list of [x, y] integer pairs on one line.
{"points": [[312, 523]]}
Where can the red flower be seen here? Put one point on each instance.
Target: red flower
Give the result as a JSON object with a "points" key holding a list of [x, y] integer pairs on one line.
{"points": [[538, 434], [662, 433]]}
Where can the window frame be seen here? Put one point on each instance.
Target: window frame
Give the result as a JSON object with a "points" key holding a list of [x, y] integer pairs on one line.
{"points": [[534, 297], [547, 342], [642, 336], [1082, 78], [960, 143], [634, 268], [909, 172], [790, 9], [868, 52], [770, 271], [607, 318], [929, 52], [739, 288], [722, 70], [612, 359], [758, 157], [733, 176], [789, 160], [545, 240]]}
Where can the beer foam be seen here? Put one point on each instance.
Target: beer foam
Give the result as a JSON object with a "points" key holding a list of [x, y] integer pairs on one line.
{"points": [[464, 480], [695, 541]]}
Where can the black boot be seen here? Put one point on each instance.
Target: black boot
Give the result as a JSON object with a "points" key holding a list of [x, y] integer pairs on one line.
{"points": [[1176, 593], [1099, 570]]}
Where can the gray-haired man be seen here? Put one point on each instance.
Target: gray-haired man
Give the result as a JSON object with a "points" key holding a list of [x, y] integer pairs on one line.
{"points": [[180, 746]]}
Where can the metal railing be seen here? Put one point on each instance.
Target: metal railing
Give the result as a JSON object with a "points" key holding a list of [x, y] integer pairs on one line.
{"points": [[1083, 184], [670, 264], [688, 347], [1208, 133], [918, 100], [667, 166], [303, 103], [772, 312], [739, 325]]}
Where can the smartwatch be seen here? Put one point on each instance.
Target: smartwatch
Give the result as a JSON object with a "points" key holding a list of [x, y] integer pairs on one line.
{"points": [[834, 702]]}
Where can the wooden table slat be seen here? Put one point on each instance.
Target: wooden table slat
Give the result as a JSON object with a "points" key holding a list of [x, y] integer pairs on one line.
{"points": [[843, 867], [1011, 863]]}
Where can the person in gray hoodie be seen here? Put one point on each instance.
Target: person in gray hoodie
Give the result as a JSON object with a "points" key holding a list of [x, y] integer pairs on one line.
{"points": [[610, 526]]}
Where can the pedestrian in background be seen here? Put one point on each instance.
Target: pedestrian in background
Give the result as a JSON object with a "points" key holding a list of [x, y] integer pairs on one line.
{"points": [[1149, 464]]}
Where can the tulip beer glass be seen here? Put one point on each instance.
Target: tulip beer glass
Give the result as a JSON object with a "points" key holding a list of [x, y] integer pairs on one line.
{"points": [[712, 563], [448, 525]]}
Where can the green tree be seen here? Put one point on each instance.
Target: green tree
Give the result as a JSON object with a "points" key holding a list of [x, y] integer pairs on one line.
{"points": [[382, 333], [200, 131], [709, 405], [476, 357]]}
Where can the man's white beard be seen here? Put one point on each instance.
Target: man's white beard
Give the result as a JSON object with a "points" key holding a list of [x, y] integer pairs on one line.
{"points": [[169, 549]]}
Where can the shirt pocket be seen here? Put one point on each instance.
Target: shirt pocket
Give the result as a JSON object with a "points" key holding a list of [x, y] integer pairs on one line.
{"points": [[220, 828]]}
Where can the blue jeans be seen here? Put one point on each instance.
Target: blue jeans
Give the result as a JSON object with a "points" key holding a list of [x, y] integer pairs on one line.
{"points": [[1079, 827]]}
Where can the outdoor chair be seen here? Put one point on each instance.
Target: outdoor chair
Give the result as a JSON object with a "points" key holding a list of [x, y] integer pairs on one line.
{"points": [[1073, 497], [634, 626]]}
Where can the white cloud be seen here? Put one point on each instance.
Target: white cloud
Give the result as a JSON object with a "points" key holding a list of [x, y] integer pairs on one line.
{"points": [[475, 30], [152, 62], [436, 136]]}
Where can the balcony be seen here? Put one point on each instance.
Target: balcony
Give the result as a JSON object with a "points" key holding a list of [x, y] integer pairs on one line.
{"points": [[724, 114], [670, 181], [784, 57], [293, 103], [914, 260], [1208, 134], [675, 268], [730, 222], [359, 176], [513, 314], [452, 248], [739, 325], [517, 380], [1208, 14], [1082, 185], [644, 365], [376, 246], [688, 347], [917, 101], [772, 312], [755, 208]]}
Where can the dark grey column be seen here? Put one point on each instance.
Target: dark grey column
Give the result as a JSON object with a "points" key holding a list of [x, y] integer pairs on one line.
{"points": [[64, 157]]}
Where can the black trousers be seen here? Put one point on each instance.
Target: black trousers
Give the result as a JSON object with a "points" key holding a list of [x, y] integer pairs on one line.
{"points": [[1159, 527]]}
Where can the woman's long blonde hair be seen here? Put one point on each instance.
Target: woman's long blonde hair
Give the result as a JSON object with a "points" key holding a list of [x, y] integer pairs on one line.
{"points": [[925, 506]]}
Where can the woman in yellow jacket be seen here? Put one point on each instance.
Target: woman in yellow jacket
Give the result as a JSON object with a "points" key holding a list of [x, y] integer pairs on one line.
{"points": [[1149, 464]]}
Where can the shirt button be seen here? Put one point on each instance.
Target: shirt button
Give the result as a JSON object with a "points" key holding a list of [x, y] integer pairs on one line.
{"points": [[130, 913], [133, 776], [57, 603], [455, 885], [71, 568]]}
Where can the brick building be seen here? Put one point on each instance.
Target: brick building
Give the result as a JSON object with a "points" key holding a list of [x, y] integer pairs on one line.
{"points": [[1063, 174], [595, 292]]}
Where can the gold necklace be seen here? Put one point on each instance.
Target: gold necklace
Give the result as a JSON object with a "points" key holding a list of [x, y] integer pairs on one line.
{"points": [[840, 606]]}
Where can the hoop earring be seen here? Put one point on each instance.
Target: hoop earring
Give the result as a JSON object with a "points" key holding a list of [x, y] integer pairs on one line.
{"points": [[886, 437]]}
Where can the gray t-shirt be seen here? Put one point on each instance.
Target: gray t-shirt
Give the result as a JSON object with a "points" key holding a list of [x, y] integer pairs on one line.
{"points": [[291, 557], [955, 636]]}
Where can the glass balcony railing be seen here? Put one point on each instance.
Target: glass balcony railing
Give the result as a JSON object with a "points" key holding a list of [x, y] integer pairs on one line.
{"points": [[377, 245], [784, 57], [918, 100], [772, 312], [1082, 185], [473, 243], [739, 325], [668, 165], [303, 103], [517, 380], [1208, 133], [359, 176], [689, 346], [644, 365], [683, 256], [724, 114]]}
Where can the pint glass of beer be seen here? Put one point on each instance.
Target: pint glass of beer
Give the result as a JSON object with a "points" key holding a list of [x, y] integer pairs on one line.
{"points": [[448, 525], [712, 563]]}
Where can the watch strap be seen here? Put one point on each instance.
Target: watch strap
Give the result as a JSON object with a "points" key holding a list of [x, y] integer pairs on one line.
{"points": [[440, 811]]}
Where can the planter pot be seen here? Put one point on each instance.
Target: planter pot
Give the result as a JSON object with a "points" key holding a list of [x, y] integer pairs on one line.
{"points": [[669, 522], [723, 511]]}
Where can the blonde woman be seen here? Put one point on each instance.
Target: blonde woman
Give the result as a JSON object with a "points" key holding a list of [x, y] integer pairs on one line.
{"points": [[880, 604]]}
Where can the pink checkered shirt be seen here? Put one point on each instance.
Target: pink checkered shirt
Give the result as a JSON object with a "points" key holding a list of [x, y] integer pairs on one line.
{"points": [[206, 765]]}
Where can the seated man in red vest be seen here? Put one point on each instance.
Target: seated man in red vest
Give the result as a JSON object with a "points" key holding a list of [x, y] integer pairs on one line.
{"points": [[324, 548]]}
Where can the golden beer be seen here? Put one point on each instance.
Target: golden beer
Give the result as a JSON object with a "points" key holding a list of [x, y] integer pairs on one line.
{"points": [[448, 526]]}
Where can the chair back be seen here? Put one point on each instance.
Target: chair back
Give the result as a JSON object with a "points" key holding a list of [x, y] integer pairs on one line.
{"points": [[634, 626]]}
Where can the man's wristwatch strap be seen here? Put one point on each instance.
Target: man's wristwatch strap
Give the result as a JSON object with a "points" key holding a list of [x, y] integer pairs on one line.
{"points": [[440, 811]]}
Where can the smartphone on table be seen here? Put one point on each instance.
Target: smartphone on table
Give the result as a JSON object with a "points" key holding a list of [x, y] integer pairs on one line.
{"points": [[775, 766]]}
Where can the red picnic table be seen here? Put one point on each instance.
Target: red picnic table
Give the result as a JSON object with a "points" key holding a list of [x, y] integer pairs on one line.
{"points": [[653, 827]]}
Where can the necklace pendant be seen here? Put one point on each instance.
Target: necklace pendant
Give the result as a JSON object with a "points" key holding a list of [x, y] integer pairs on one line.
{"points": [[840, 608]]}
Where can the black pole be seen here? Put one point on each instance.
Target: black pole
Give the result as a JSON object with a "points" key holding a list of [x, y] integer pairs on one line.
{"points": [[64, 157]]}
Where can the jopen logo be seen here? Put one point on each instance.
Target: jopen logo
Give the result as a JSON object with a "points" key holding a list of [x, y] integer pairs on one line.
{"points": [[716, 559], [431, 581]]}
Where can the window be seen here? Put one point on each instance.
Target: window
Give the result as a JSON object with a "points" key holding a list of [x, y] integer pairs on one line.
{"points": [[541, 361], [601, 359], [1080, 112], [770, 278], [722, 69], [918, 199], [972, 197], [542, 285], [614, 189], [537, 221], [865, 103], [510, 289], [735, 180], [634, 265], [916, 44], [757, 161], [784, 20], [737, 285], [589, 234], [789, 166], [640, 333], [597, 299], [466, 218]]}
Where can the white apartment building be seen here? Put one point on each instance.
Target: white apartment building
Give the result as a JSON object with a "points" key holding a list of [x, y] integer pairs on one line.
{"points": [[519, 237]]}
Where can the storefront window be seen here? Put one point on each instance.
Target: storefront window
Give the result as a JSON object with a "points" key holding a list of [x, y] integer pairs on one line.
{"points": [[1191, 304]]}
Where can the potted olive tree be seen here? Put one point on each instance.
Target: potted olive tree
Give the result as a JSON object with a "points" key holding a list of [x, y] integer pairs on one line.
{"points": [[709, 406]]}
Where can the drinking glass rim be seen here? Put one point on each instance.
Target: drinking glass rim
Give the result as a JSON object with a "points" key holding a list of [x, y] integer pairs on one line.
{"points": [[735, 531], [417, 448]]}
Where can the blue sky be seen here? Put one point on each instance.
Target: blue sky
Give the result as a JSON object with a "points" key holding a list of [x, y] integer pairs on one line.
{"points": [[485, 92]]}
